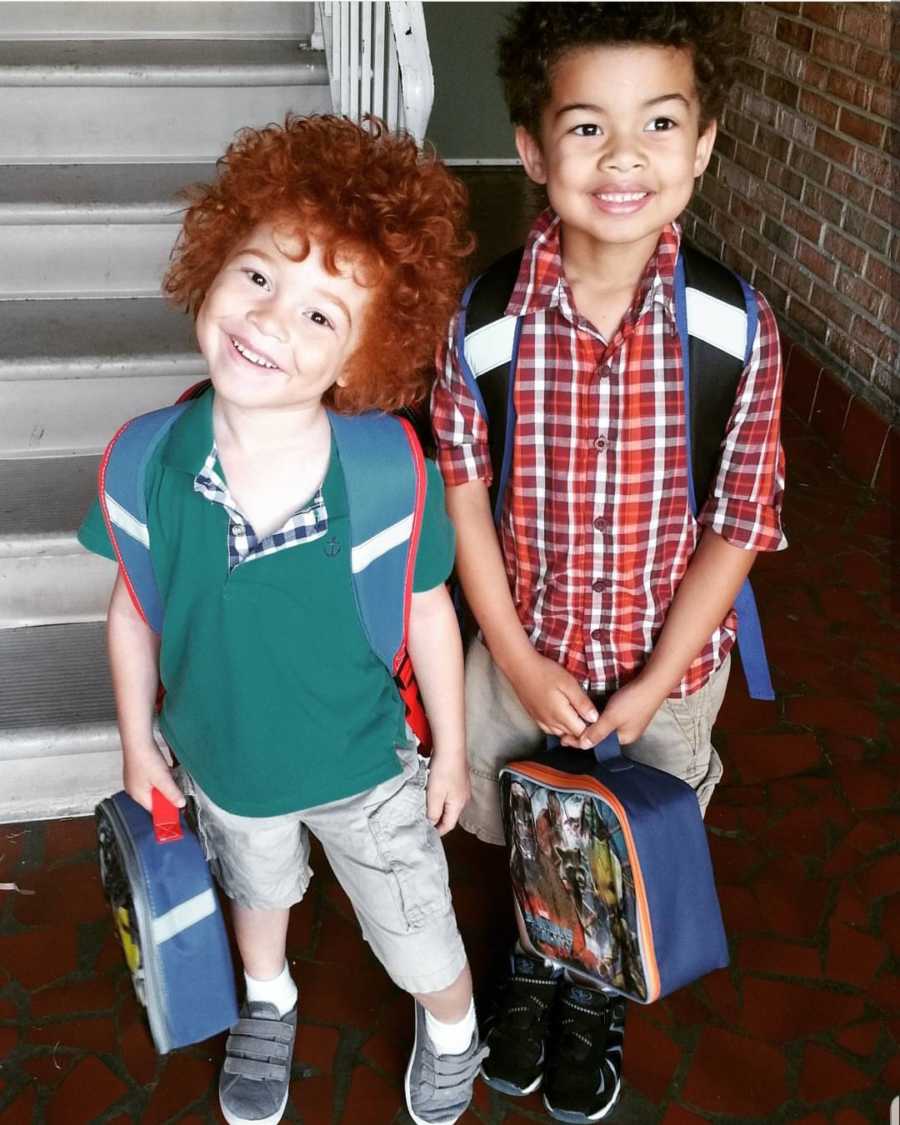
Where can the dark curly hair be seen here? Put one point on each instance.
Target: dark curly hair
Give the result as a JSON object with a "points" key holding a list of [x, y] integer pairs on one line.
{"points": [[361, 193], [538, 35]]}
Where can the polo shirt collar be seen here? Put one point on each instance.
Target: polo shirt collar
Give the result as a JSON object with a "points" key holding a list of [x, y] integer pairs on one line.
{"points": [[541, 282], [191, 437]]}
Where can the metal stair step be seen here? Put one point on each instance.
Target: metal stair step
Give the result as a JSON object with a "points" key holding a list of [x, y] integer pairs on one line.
{"points": [[76, 194], [82, 230], [109, 337], [160, 62], [83, 19], [59, 747], [174, 100], [46, 576]]}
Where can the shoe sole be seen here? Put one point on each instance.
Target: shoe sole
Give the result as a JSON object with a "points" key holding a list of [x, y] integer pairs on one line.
{"points": [[509, 1088], [572, 1118], [272, 1119]]}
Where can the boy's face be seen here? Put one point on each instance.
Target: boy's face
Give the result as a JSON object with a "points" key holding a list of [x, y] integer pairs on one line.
{"points": [[619, 146], [278, 332]]}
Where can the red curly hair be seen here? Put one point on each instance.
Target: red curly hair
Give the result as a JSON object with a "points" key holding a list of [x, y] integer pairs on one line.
{"points": [[363, 194]]}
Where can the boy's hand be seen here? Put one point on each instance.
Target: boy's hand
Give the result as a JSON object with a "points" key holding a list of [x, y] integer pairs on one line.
{"points": [[627, 712], [553, 697], [145, 768], [447, 792]]}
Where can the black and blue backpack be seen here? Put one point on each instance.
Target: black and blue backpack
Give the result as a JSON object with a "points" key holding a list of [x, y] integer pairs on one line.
{"points": [[154, 872], [716, 314]]}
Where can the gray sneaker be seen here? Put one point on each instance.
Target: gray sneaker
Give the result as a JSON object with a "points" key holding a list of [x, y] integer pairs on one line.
{"points": [[439, 1087], [253, 1085]]}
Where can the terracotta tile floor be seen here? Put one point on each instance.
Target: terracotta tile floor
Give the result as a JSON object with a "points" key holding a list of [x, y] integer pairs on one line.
{"points": [[803, 1027]]}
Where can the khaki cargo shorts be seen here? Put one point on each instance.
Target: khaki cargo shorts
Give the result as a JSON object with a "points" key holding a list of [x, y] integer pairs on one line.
{"points": [[383, 851], [499, 729]]}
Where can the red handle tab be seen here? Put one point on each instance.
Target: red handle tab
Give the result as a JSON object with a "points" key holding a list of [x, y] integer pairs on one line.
{"points": [[166, 822]]}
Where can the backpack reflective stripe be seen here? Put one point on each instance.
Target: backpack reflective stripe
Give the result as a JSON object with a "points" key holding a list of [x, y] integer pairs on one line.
{"points": [[385, 479]]}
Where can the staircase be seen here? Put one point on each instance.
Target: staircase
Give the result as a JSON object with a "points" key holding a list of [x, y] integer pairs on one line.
{"points": [[106, 110]]}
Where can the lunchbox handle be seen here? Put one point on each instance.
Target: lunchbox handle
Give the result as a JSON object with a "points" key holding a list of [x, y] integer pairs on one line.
{"points": [[604, 751]]}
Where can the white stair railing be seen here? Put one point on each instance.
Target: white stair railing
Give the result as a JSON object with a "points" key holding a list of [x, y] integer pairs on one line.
{"points": [[378, 61]]}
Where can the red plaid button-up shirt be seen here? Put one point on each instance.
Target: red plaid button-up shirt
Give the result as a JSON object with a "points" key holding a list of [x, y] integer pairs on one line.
{"points": [[596, 530]]}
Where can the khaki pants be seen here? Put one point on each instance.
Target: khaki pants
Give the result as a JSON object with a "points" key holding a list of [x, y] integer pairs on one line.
{"points": [[499, 730]]}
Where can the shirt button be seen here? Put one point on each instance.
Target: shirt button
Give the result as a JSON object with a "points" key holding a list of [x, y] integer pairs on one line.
{"points": [[600, 443], [597, 635], [599, 585], [235, 529], [600, 523]]}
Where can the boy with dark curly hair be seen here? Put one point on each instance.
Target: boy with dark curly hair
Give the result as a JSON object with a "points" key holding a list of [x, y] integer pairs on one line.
{"points": [[321, 266], [604, 605]]}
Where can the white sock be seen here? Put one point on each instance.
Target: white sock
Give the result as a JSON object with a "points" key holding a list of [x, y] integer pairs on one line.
{"points": [[451, 1038], [280, 991]]}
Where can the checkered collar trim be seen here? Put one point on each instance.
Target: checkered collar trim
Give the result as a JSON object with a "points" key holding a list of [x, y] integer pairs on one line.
{"points": [[306, 524]]}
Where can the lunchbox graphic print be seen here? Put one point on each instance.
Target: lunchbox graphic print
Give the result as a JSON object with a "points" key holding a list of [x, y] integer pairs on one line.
{"points": [[611, 872], [574, 885]]}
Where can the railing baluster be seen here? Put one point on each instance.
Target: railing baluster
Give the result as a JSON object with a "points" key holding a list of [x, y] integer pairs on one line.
{"points": [[365, 31], [354, 60], [378, 68], [344, 56], [393, 87]]}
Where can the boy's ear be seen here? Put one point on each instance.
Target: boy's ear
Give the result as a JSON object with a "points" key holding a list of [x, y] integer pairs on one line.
{"points": [[705, 143], [531, 155]]}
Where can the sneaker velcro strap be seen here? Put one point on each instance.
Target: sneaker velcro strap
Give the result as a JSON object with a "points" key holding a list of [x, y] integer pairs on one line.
{"points": [[264, 1029], [255, 1048], [254, 1070]]}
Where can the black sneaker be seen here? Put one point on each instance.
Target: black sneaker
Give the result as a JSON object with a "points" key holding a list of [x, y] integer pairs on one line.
{"points": [[584, 1068], [517, 1029]]}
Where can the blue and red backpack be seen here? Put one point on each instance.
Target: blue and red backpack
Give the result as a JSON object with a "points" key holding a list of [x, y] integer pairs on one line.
{"points": [[154, 872]]}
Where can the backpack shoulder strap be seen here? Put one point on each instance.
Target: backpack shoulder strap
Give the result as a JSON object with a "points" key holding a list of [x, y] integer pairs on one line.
{"points": [[716, 313], [487, 345], [717, 317], [120, 488], [384, 472]]}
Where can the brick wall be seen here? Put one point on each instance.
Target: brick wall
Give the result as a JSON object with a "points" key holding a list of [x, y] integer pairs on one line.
{"points": [[797, 196]]}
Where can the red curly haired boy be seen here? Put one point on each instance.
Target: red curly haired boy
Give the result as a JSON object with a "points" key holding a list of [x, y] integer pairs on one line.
{"points": [[322, 266]]}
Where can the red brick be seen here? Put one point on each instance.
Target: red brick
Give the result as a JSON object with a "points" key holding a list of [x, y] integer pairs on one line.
{"points": [[862, 1038], [317, 1046], [782, 1011], [872, 166], [184, 1078], [314, 1100], [793, 33], [886, 992], [890, 923], [789, 907], [735, 1074], [89, 1090], [869, 24], [136, 1050], [849, 1117], [828, 15], [675, 1115], [66, 839], [91, 1033], [882, 878], [760, 758], [823, 110], [803, 831], [843, 716], [733, 860], [853, 957], [371, 1098], [863, 839], [866, 130], [830, 48], [740, 910], [84, 997], [801, 379], [652, 1058], [826, 1076], [866, 786], [779, 958], [21, 1111], [36, 957], [850, 906]]}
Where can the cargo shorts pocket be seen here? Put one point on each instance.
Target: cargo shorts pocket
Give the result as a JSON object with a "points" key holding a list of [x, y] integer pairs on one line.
{"points": [[411, 853]]}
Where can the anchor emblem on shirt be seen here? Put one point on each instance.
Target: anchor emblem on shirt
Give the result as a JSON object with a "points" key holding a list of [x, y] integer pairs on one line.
{"points": [[332, 547]]}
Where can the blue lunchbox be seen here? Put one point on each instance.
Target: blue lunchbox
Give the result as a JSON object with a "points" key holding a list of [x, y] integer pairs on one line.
{"points": [[168, 919], [611, 871]]}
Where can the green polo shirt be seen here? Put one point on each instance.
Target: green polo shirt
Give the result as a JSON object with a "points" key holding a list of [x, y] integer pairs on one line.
{"points": [[274, 699]]}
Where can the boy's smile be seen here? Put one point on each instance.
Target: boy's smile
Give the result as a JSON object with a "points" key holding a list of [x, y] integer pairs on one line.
{"points": [[277, 331], [620, 145]]}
